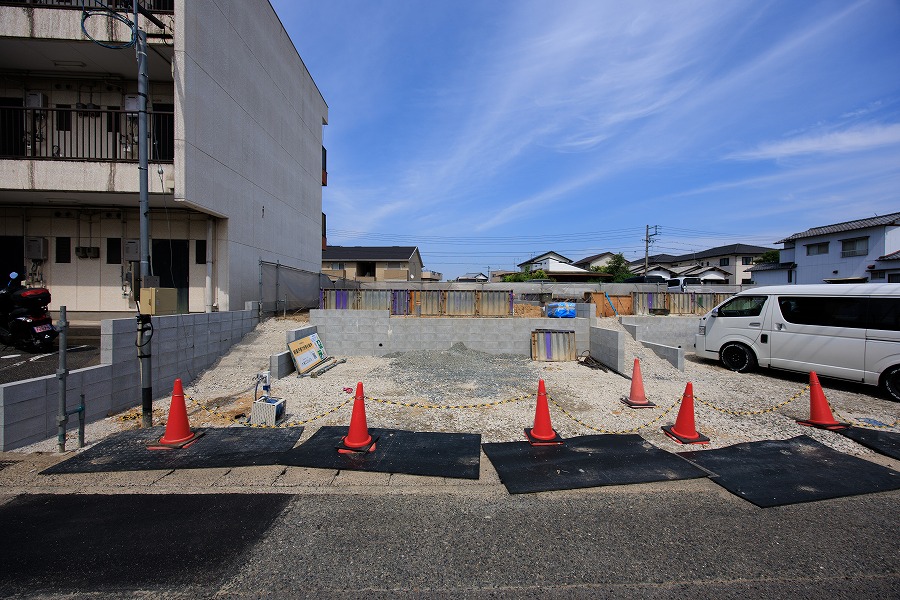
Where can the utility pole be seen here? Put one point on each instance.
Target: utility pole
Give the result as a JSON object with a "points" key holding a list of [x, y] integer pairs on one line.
{"points": [[144, 325], [647, 239]]}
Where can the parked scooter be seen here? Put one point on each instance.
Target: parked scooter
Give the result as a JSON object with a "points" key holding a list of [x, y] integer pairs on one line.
{"points": [[24, 320]]}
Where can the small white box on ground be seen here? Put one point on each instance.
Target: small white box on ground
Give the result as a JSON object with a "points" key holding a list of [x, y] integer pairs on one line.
{"points": [[267, 411]]}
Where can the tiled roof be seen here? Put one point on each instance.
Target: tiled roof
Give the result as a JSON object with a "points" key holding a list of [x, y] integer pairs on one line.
{"points": [[773, 266], [352, 253], [890, 219], [891, 256]]}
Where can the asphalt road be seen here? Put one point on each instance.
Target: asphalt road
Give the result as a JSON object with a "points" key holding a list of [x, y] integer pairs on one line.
{"points": [[646, 541], [83, 350]]}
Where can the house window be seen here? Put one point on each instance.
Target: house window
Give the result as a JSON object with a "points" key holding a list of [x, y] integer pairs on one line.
{"points": [[113, 251], [724, 262], [64, 117], [855, 247], [63, 250], [395, 265], [337, 266], [746, 260], [746, 281], [817, 249], [790, 276], [877, 275]]}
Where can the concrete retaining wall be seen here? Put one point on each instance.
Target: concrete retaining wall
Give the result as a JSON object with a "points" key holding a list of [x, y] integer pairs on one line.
{"points": [[608, 347], [182, 347], [668, 330], [673, 354]]}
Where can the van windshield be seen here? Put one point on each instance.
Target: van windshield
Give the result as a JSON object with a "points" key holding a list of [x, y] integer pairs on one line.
{"points": [[743, 306]]}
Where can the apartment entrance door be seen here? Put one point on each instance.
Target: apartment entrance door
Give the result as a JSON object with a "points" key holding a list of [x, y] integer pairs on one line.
{"points": [[12, 128], [170, 264], [12, 257]]}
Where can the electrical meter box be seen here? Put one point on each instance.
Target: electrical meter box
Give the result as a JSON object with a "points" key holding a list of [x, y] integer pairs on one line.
{"points": [[131, 250], [35, 100], [36, 248], [132, 103], [159, 301]]}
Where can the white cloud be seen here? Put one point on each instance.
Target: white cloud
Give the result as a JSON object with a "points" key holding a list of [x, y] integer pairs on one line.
{"points": [[857, 139]]}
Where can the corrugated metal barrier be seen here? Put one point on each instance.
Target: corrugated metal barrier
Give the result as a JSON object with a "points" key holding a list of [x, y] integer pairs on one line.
{"points": [[686, 303], [553, 345], [427, 303]]}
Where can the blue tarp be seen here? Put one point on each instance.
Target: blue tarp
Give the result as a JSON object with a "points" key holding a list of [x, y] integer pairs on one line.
{"points": [[561, 310]]}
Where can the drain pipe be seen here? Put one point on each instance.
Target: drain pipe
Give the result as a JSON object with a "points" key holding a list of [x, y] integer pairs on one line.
{"points": [[209, 264], [62, 418], [61, 374]]}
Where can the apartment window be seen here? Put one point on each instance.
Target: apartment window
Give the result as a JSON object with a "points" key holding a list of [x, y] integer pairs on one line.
{"points": [[113, 251], [64, 117], [724, 262], [112, 119], [817, 249], [746, 260], [63, 250], [199, 252], [855, 247]]}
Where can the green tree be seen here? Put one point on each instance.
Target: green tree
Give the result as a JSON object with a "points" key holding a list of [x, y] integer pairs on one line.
{"points": [[617, 267], [525, 276], [769, 256]]}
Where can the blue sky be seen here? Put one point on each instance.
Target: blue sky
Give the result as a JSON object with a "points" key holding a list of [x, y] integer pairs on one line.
{"points": [[486, 132]]}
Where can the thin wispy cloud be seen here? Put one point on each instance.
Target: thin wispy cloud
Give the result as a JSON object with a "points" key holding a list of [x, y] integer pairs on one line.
{"points": [[513, 115]]}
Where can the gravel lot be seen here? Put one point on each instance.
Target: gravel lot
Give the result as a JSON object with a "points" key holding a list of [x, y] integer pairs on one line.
{"points": [[411, 390]]}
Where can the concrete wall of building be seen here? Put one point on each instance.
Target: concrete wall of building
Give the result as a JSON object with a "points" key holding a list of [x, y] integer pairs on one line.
{"points": [[249, 147], [182, 347]]}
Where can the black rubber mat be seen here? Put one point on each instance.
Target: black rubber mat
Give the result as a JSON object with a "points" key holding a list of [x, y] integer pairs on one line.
{"points": [[775, 473], [217, 447], [882, 442], [586, 461], [454, 455], [62, 544]]}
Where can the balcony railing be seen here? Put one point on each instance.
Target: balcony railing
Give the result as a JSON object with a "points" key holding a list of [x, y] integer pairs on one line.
{"points": [[154, 6], [83, 133]]}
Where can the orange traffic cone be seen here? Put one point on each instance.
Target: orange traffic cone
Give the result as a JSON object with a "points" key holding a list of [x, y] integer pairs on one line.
{"points": [[357, 438], [178, 431], [542, 434], [819, 411], [684, 431], [637, 398]]}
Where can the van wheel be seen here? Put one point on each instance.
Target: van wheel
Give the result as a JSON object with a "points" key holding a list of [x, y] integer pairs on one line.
{"points": [[891, 382], [737, 357]]}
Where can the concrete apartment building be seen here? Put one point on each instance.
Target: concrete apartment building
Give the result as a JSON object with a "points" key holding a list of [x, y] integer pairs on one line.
{"points": [[863, 250], [236, 157]]}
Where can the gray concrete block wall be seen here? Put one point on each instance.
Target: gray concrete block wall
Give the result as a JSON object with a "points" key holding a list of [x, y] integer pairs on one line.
{"points": [[608, 347], [376, 333], [667, 330], [183, 346], [673, 354], [282, 364]]}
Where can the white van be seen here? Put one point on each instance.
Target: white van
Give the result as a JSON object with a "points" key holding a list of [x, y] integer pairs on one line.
{"points": [[847, 331], [681, 284]]}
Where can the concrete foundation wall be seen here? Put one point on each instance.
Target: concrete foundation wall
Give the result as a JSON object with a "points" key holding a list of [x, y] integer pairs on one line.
{"points": [[668, 330], [182, 347], [608, 347], [673, 354], [376, 333]]}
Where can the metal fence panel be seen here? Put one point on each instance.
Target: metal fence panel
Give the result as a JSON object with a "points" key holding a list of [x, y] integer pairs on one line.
{"points": [[553, 345], [339, 299], [495, 304], [400, 302], [460, 303], [374, 300], [679, 303]]}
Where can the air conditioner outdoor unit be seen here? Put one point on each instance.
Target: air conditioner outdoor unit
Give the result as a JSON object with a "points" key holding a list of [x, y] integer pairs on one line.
{"points": [[35, 100]]}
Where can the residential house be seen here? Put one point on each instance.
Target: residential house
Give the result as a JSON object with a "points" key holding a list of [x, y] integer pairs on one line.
{"points": [[720, 265], [853, 251], [559, 268], [597, 260], [372, 263], [473, 278], [236, 158]]}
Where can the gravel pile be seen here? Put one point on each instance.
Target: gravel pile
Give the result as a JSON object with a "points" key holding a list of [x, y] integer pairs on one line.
{"points": [[423, 391]]}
